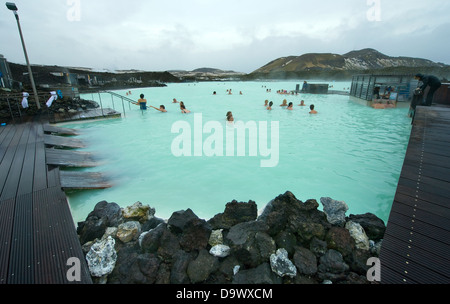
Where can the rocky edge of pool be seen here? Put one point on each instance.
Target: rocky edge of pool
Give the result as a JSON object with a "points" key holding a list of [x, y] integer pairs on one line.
{"points": [[290, 242]]}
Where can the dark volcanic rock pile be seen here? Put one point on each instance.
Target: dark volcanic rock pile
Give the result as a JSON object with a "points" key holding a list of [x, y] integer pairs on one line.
{"points": [[290, 242], [65, 105]]}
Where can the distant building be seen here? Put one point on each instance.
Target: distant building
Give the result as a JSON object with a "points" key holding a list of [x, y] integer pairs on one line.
{"points": [[368, 89], [6, 79]]}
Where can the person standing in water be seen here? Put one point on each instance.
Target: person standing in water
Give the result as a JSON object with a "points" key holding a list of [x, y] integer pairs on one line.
{"points": [[311, 107], [142, 102]]}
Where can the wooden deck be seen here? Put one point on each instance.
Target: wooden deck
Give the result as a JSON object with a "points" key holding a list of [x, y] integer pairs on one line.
{"points": [[416, 246], [83, 180], [98, 113], [37, 232], [67, 158], [49, 129]]}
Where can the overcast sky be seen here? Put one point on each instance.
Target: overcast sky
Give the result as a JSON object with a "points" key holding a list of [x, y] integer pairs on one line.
{"points": [[240, 35]]}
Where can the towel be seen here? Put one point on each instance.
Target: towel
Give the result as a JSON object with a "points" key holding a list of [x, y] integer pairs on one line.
{"points": [[25, 100], [51, 99]]}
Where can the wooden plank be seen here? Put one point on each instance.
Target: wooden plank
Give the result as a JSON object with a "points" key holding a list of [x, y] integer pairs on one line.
{"points": [[67, 238], [48, 268], [13, 178], [417, 239], [37, 230], [5, 138], [64, 158], [429, 148], [8, 158], [59, 130], [53, 177], [21, 268], [418, 222], [40, 167], [431, 171], [27, 173], [431, 159], [55, 238], [426, 181], [60, 141], [425, 189], [6, 226], [87, 115], [411, 254], [437, 213], [409, 272], [408, 188], [83, 180]]}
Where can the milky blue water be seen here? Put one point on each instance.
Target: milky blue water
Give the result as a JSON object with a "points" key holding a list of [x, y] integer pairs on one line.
{"points": [[347, 151]]}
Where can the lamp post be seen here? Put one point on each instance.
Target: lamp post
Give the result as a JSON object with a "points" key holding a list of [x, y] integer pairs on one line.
{"points": [[12, 6]]}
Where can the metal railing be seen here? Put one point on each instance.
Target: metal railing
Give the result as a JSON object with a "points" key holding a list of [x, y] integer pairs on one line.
{"points": [[123, 98]]}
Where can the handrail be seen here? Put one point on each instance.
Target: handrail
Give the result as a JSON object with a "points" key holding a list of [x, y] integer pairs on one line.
{"points": [[120, 96], [130, 101]]}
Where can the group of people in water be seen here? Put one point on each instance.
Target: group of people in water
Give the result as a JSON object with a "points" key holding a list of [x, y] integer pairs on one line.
{"points": [[289, 106], [142, 103]]}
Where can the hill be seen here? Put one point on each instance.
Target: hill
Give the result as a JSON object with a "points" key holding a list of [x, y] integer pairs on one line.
{"points": [[330, 65], [206, 74]]}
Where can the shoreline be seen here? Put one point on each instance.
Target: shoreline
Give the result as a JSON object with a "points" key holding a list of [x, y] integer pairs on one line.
{"points": [[286, 242]]}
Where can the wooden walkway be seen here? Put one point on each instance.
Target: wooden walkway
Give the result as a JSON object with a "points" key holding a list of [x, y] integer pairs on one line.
{"points": [[85, 115], [37, 232], [416, 246]]}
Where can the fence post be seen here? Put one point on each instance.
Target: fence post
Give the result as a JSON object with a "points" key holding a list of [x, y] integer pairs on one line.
{"points": [[18, 108], [123, 106], [10, 110], [101, 105], [112, 99]]}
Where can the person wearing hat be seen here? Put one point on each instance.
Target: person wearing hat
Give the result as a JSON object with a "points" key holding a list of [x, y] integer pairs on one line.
{"points": [[428, 80]]}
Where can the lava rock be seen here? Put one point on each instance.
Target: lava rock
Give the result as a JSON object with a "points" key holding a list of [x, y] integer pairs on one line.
{"points": [[181, 261], [339, 239], [104, 215], [220, 251], [199, 269], [128, 231], [235, 213], [262, 274], [332, 266], [179, 219], [358, 234], [102, 257], [249, 243], [335, 210], [305, 261], [281, 265], [150, 240], [373, 225], [138, 212]]}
